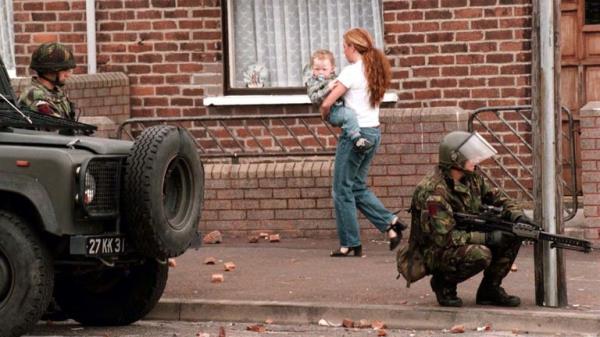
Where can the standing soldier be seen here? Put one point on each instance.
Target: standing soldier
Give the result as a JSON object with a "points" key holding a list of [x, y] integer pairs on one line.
{"points": [[452, 255], [53, 63]]}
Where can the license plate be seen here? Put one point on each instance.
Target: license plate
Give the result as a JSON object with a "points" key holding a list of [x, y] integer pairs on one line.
{"points": [[104, 245]]}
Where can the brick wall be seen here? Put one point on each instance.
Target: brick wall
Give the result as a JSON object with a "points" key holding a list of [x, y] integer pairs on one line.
{"points": [[170, 49], [46, 21], [103, 99], [590, 162], [444, 53], [467, 53], [294, 198]]}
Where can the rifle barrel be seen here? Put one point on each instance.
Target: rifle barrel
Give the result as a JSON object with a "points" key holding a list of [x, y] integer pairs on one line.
{"points": [[486, 223]]}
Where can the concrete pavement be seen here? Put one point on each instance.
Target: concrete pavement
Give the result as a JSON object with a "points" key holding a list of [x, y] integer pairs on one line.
{"points": [[295, 281]]}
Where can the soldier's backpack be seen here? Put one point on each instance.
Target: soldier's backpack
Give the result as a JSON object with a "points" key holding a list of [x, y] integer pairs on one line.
{"points": [[409, 259], [410, 265]]}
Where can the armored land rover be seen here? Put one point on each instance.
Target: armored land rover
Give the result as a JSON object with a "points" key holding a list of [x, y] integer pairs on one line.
{"points": [[89, 223]]}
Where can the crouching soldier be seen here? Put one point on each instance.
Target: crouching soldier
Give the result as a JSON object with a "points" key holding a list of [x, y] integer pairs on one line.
{"points": [[53, 63], [452, 255]]}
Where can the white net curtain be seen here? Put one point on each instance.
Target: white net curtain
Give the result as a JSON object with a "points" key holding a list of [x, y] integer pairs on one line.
{"points": [[7, 36], [272, 40]]}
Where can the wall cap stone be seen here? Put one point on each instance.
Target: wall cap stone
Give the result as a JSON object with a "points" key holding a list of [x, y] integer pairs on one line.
{"points": [[591, 109], [441, 114], [99, 121], [309, 168], [84, 81], [106, 126]]}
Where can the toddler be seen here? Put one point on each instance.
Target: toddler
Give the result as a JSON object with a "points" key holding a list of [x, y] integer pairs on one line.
{"points": [[320, 84]]}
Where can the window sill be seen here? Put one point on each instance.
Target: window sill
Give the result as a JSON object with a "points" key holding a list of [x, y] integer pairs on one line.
{"points": [[272, 99]]}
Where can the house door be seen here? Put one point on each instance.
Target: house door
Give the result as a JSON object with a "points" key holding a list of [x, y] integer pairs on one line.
{"points": [[580, 61]]}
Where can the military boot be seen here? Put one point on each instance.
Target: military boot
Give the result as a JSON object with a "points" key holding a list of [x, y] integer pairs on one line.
{"points": [[445, 292], [490, 293]]}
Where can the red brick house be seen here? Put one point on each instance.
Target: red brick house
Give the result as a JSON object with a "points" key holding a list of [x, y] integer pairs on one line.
{"points": [[189, 58]]}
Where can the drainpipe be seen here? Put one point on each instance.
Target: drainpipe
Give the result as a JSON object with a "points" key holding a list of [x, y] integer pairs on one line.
{"points": [[548, 147], [90, 15]]}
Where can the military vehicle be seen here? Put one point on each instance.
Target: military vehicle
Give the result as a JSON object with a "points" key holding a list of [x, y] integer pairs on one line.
{"points": [[89, 223]]}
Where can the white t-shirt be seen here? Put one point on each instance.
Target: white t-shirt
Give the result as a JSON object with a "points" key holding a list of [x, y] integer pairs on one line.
{"points": [[357, 96]]}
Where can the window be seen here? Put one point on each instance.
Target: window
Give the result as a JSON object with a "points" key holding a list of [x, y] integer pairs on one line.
{"points": [[7, 36], [269, 42], [592, 12]]}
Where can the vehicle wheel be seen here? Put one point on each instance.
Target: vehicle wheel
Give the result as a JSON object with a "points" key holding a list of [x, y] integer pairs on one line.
{"points": [[164, 191], [26, 276], [112, 296]]}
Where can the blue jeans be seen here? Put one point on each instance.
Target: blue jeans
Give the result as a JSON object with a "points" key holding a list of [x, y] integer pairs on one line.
{"points": [[350, 191], [345, 118]]}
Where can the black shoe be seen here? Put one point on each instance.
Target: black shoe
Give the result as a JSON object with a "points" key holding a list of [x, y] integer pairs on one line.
{"points": [[357, 250], [495, 295], [445, 292], [362, 145], [398, 227]]}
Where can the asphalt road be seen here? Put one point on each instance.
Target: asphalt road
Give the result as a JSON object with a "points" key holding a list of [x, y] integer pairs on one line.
{"points": [[211, 329]]}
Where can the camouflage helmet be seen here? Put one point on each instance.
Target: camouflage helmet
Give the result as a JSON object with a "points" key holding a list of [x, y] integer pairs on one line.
{"points": [[51, 57], [459, 146]]}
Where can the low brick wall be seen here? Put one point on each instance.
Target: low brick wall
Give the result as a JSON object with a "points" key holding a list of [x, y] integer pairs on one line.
{"points": [[294, 198], [103, 99], [590, 162]]}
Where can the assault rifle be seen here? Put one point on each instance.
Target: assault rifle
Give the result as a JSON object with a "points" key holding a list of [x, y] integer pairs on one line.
{"points": [[489, 220]]}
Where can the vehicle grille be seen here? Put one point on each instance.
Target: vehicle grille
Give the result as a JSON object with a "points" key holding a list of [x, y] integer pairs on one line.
{"points": [[106, 173]]}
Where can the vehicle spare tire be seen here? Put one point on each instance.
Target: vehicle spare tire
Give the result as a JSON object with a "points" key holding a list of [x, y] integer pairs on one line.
{"points": [[117, 295], [164, 191], [26, 276]]}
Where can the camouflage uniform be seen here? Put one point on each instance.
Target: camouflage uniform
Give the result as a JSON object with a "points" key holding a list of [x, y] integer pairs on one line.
{"points": [[446, 250], [317, 88], [452, 255], [45, 101], [49, 58]]}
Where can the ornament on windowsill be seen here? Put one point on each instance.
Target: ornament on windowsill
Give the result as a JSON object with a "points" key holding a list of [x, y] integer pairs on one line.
{"points": [[255, 75]]}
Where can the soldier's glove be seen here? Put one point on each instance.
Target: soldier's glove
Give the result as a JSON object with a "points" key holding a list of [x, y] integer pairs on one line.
{"points": [[499, 238], [477, 238]]}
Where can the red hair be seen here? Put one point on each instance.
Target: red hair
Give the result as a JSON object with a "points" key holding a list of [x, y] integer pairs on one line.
{"points": [[377, 66]]}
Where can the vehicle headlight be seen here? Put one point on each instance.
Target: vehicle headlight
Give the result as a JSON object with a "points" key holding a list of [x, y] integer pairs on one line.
{"points": [[89, 188]]}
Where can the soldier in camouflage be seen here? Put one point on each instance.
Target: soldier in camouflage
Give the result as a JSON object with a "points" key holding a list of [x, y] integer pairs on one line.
{"points": [[53, 63], [452, 255]]}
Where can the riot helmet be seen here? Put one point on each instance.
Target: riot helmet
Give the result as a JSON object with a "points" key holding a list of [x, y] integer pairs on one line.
{"points": [[458, 147], [52, 57]]}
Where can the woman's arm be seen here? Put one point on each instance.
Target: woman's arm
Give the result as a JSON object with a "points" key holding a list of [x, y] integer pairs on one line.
{"points": [[338, 91]]}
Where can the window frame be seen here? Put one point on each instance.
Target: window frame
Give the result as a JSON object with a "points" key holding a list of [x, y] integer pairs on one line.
{"points": [[227, 89], [226, 40], [12, 71]]}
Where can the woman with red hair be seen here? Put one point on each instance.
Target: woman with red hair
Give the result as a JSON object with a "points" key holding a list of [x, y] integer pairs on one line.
{"points": [[361, 85]]}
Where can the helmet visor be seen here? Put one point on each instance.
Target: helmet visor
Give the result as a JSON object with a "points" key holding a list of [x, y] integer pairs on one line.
{"points": [[476, 149]]}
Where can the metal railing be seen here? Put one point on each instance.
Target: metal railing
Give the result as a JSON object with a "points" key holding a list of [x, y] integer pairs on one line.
{"points": [[290, 135], [508, 128], [233, 137]]}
